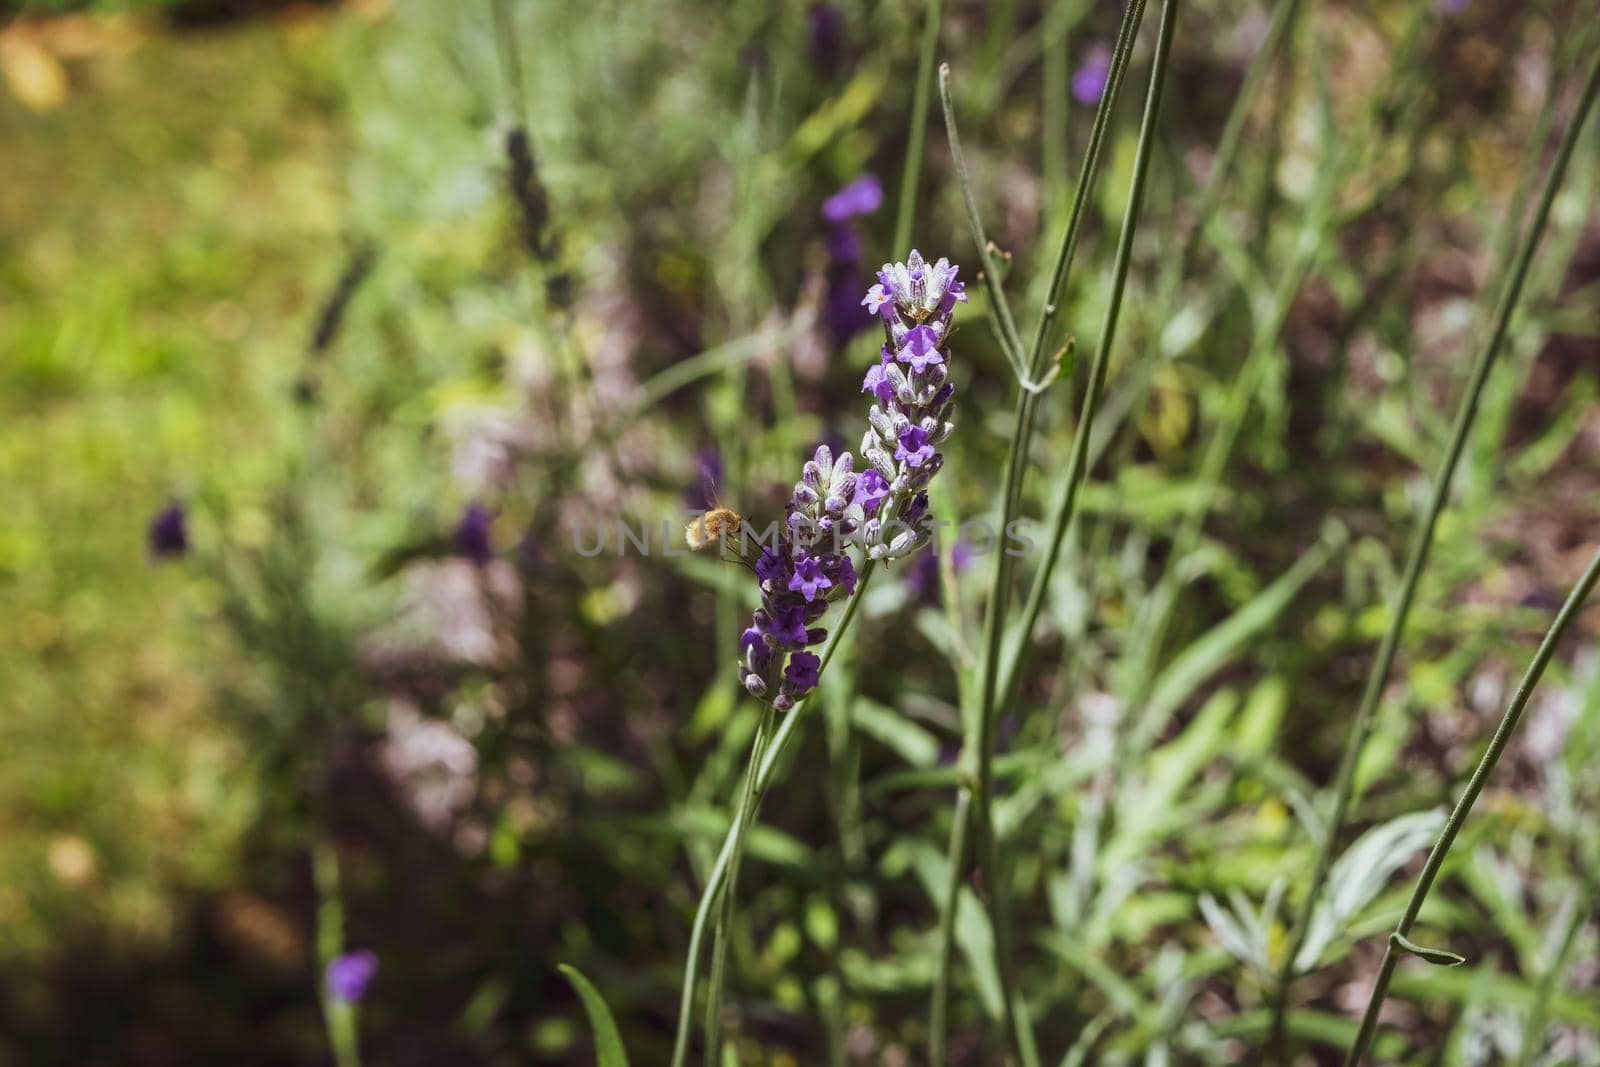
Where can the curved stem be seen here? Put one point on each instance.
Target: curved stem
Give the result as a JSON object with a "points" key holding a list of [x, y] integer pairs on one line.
{"points": [[1417, 555], [910, 177], [1006, 323], [766, 767], [1469, 796]]}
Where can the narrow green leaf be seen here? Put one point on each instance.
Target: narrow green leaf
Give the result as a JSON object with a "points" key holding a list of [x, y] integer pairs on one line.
{"points": [[1436, 956], [607, 1042]]}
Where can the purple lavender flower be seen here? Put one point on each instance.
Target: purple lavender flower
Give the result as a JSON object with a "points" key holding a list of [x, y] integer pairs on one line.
{"points": [[915, 398], [349, 975], [920, 348], [861, 197], [871, 488], [886, 502], [473, 538], [1089, 80], [798, 583], [914, 448], [922, 573], [1451, 7], [801, 673], [878, 382], [808, 579], [841, 312], [169, 532]]}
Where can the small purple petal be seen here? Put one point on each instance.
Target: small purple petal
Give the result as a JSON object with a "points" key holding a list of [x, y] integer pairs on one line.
{"points": [[803, 671], [349, 975], [871, 488], [861, 197], [808, 579], [913, 449], [1089, 80]]}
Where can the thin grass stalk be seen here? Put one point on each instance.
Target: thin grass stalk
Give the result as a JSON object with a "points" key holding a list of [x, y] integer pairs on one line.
{"points": [[990, 858], [1121, 53], [1422, 542], [1283, 17], [1222, 165], [723, 931], [1491, 756], [911, 177], [989, 274], [1077, 463], [1032, 386], [1022, 425], [766, 767], [956, 859]]}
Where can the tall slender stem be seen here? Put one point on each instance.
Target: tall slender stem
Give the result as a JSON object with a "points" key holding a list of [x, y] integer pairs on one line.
{"points": [[724, 928], [1469, 796], [909, 178], [766, 767], [956, 859], [1417, 555], [989, 854], [1077, 463]]}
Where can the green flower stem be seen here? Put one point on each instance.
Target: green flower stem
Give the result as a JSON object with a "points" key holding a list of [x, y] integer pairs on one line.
{"points": [[723, 931], [338, 1016], [1029, 386], [911, 176], [938, 1015], [1417, 555], [1452, 826], [766, 766], [1077, 463]]}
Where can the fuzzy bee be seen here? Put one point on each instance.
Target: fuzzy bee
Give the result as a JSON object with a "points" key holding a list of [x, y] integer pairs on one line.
{"points": [[712, 527]]}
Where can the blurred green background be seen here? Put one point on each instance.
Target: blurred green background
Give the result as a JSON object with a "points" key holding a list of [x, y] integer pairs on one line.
{"points": [[524, 763]]}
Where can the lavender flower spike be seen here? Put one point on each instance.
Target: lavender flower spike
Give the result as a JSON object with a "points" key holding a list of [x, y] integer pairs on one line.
{"points": [[883, 506], [800, 576], [914, 402]]}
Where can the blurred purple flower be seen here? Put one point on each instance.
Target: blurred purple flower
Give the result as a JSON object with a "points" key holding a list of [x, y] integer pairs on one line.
{"points": [[1450, 7], [349, 975], [826, 41], [169, 532], [841, 312], [922, 573], [1089, 80], [473, 538], [861, 197], [844, 245]]}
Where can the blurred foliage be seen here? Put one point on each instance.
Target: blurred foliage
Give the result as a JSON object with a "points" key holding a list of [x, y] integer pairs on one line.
{"points": [[528, 764]]}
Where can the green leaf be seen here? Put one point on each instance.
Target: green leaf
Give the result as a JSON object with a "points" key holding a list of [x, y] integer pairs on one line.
{"points": [[911, 742], [1436, 956], [607, 1042]]}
